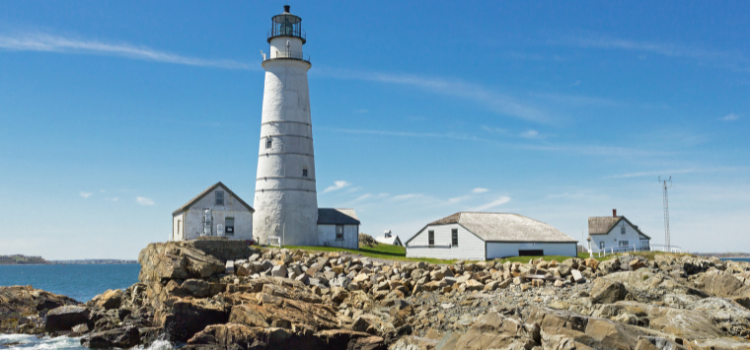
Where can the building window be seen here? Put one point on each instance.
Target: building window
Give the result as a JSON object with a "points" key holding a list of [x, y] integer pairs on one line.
{"points": [[622, 229], [339, 232], [269, 143], [623, 243], [431, 238], [304, 171], [229, 226], [601, 245], [454, 237], [219, 197]]}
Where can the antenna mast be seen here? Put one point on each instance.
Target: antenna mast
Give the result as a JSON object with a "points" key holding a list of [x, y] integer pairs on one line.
{"points": [[666, 183]]}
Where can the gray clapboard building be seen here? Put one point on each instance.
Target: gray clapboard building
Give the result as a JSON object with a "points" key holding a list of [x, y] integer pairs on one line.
{"points": [[483, 236]]}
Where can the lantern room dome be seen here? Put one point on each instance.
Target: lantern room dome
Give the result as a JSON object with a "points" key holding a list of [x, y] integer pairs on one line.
{"points": [[286, 24]]}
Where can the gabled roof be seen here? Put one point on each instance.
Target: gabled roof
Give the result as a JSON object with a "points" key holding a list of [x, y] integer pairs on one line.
{"points": [[331, 216], [504, 227], [387, 240], [602, 225], [207, 191]]}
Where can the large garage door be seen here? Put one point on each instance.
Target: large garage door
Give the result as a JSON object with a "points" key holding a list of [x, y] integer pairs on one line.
{"points": [[531, 252]]}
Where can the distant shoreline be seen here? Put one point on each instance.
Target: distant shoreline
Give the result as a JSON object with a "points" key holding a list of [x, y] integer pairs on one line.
{"points": [[14, 260]]}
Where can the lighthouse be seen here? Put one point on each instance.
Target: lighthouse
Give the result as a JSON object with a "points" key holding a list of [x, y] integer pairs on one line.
{"points": [[285, 192]]}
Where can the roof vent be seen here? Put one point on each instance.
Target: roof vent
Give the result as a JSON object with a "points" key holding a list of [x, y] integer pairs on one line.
{"points": [[614, 213], [286, 8]]}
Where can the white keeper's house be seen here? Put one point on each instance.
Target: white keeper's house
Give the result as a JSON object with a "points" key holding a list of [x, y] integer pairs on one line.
{"points": [[616, 233], [217, 211], [484, 236], [389, 238]]}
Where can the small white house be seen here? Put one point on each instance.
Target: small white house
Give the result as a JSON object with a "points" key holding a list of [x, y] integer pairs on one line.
{"points": [[483, 236], [616, 233], [389, 238], [217, 211], [338, 228]]}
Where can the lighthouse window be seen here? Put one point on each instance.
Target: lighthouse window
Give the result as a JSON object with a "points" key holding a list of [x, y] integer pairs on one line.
{"points": [[219, 197], [304, 172], [269, 143]]}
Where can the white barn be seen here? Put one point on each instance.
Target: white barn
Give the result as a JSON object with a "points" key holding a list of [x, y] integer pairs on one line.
{"points": [[217, 211], [616, 233], [338, 228], [389, 238], [484, 236]]}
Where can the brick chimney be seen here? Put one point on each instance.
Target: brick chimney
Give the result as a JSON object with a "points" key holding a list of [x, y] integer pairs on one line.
{"points": [[614, 213]]}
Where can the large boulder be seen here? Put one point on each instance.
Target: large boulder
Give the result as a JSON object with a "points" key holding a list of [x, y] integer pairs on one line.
{"points": [[723, 285], [189, 316], [242, 337], [64, 318], [180, 260], [111, 299], [20, 307], [123, 338], [607, 292]]}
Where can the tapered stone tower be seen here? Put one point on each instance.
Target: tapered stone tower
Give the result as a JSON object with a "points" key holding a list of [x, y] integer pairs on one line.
{"points": [[286, 201]]}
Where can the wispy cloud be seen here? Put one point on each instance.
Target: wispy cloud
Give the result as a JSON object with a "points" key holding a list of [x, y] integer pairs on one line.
{"points": [[406, 196], [733, 60], [41, 42], [591, 150], [115, 199], [479, 190], [530, 134], [730, 117], [458, 199], [491, 99], [498, 202], [337, 185], [85, 194], [144, 201], [495, 130], [668, 172]]}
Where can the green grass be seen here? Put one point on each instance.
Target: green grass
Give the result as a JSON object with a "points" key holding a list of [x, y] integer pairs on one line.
{"points": [[380, 251]]}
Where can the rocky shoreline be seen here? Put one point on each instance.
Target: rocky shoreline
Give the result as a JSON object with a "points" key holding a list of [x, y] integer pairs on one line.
{"points": [[218, 294]]}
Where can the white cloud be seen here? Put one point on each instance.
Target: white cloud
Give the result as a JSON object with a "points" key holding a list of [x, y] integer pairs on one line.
{"points": [[530, 134], [115, 199], [479, 190], [337, 185], [144, 201], [458, 199], [41, 42], [406, 196], [500, 201], [85, 194], [495, 130], [495, 101], [730, 117]]}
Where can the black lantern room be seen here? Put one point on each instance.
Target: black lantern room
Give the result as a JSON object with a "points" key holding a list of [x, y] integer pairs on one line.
{"points": [[286, 24]]}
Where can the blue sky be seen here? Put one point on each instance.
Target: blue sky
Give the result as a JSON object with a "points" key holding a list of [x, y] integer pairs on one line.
{"points": [[113, 114]]}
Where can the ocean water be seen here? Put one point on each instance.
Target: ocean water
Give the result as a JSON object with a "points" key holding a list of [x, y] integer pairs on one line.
{"points": [[80, 282], [736, 259]]}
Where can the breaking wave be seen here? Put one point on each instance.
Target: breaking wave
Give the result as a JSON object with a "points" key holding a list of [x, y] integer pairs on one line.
{"points": [[31, 342]]}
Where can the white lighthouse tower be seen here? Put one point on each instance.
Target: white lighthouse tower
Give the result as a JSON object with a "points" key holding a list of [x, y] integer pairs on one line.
{"points": [[286, 201]]}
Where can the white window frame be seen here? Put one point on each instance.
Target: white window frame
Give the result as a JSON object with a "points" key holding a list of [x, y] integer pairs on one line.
{"points": [[454, 237], [622, 229], [601, 245], [218, 194], [431, 238]]}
